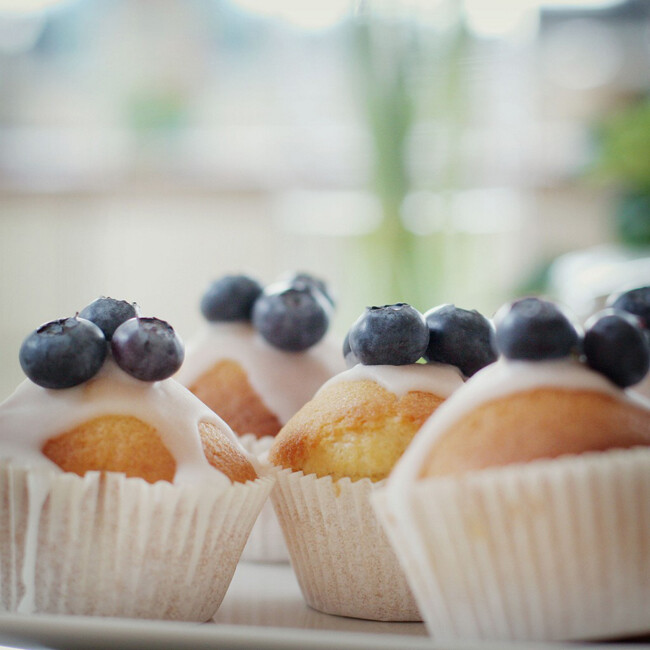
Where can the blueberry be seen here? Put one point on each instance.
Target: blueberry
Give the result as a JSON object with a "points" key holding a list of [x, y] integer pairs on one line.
{"points": [[302, 280], [147, 349], [535, 329], [459, 337], [349, 356], [108, 314], [63, 353], [635, 301], [291, 319], [393, 335], [615, 346], [230, 298]]}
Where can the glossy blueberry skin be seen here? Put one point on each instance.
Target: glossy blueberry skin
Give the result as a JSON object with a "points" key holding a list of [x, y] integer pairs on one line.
{"points": [[615, 345], [393, 335], [147, 348], [63, 353], [349, 356], [636, 301], [534, 329], [108, 314], [459, 337], [302, 280], [230, 298], [291, 319]]}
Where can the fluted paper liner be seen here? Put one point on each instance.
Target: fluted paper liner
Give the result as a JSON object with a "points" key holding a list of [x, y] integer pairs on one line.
{"points": [[266, 541], [551, 550], [108, 545], [339, 552]]}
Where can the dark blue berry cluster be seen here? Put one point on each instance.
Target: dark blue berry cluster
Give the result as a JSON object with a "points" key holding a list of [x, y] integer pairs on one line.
{"points": [[399, 334], [613, 341], [292, 314], [67, 352], [634, 301]]}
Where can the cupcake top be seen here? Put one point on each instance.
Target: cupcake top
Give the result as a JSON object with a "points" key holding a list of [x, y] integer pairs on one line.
{"points": [[100, 397], [263, 352], [292, 314], [361, 420], [554, 392], [285, 381]]}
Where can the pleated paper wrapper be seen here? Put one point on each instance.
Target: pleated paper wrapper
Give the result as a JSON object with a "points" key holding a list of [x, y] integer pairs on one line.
{"points": [[551, 550], [339, 552], [266, 541], [107, 545]]}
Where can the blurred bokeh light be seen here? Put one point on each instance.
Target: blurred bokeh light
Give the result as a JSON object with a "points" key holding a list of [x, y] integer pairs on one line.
{"points": [[418, 150]]}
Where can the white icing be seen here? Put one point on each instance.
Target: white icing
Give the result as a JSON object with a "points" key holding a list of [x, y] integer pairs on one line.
{"points": [[33, 414], [285, 381], [642, 388], [439, 379], [497, 380]]}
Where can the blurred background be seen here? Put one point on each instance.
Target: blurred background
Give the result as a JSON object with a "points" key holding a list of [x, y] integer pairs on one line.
{"points": [[425, 151]]}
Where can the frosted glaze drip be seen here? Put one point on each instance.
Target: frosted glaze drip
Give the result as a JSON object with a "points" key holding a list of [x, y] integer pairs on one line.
{"points": [[285, 381], [439, 379], [642, 388], [33, 414]]}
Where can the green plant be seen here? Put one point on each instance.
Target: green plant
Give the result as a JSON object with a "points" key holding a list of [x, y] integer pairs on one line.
{"points": [[623, 141], [407, 73], [623, 158]]}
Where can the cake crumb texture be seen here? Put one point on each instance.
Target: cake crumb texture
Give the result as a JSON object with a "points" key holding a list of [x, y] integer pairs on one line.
{"points": [[223, 455], [226, 390], [537, 424], [352, 429], [113, 443], [126, 444]]}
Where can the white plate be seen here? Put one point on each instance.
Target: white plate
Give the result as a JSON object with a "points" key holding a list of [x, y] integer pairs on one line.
{"points": [[263, 609]]}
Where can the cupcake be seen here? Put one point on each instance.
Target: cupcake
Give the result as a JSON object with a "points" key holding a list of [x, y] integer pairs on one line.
{"points": [[121, 493], [262, 355], [341, 446], [520, 510]]}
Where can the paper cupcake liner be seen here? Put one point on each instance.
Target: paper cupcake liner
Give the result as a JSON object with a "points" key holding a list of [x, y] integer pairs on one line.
{"points": [[107, 545], [266, 541], [553, 550], [340, 554]]}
